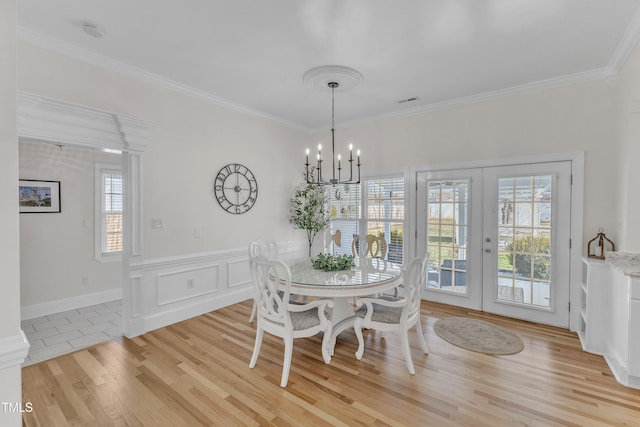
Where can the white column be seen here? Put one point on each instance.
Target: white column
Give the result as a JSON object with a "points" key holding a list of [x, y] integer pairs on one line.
{"points": [[13, 344], [133, 243]]}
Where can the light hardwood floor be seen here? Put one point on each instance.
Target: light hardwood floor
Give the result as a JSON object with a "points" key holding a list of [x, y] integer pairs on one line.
{"points": [[196, 373]]}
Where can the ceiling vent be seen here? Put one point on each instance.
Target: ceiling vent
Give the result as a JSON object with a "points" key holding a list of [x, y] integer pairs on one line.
{"points": [[93, 30], [402, 101]]}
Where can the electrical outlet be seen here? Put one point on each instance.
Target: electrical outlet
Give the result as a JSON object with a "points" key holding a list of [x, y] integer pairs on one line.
{"points": [[157, 223], [189, 283], [85, 281]]}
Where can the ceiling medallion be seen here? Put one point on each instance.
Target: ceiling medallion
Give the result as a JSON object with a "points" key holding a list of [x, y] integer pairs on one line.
{"points": [[319, 78], [332, 78]]}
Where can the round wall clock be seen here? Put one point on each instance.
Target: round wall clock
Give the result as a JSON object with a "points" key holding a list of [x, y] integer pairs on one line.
{"points": [[236, 188]]}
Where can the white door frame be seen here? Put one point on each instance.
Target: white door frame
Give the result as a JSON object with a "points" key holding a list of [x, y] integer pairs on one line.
{"points": [[577, 199]]}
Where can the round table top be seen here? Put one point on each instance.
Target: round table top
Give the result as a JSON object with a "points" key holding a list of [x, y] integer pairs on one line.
{"points": [[369, 277]]}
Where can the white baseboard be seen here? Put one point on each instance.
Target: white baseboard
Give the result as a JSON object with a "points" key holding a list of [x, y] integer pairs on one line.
{"points": [[57, 306], [619, 370], [13, 350], [197, 308]]}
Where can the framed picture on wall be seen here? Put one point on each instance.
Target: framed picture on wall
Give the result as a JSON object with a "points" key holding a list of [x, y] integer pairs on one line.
{"points": [[39, 196]]}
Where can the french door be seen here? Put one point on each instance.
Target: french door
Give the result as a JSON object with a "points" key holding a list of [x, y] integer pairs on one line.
{"points": [[498, 239]]}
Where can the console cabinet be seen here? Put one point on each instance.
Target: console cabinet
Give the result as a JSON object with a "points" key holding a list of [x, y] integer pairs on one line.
{"points": [[610, 313]]}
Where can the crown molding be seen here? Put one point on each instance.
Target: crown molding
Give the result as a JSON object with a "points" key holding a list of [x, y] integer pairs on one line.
{"points": [[626, 45], [39, 40], [608, 73], [599, 74]]}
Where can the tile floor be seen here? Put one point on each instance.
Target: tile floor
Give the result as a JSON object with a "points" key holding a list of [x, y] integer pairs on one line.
{"points": [[61, 333]]}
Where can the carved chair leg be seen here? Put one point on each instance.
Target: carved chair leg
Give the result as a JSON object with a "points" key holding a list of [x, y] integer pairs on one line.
{"points": [[357, 327], [406, 351], [256, 347], [286, 366]]}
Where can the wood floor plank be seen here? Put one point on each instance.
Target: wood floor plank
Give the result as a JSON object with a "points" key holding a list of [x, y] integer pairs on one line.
{"points": [[197, 372]]}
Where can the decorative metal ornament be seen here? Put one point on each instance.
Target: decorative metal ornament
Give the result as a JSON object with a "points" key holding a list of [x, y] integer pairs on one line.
{"points": [[236, 188], [336, 238], [600, 239]]}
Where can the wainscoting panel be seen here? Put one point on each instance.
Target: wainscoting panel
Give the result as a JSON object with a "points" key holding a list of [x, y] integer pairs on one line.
{"points": [[238, 273], [169, 290], [176, 286]]}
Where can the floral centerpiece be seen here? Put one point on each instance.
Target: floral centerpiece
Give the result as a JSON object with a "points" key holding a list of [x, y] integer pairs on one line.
{"points": [[328, 262]]}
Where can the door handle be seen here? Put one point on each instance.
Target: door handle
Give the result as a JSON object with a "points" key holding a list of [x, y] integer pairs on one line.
{"points": [[487, 250]]}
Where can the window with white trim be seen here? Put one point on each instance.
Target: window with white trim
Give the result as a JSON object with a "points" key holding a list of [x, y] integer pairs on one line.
{"points": [[108, 217], [380, 213]]}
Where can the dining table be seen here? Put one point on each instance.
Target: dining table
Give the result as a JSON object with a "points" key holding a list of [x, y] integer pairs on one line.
{"points": [[369, 276]]}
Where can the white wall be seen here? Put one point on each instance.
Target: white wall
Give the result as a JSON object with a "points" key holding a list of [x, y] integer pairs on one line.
{"points": [[627, 90], [10, 380], [190, 141], [580, 117], [57, 249]]}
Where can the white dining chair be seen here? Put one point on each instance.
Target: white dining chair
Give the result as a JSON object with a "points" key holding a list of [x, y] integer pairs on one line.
{"points": [[395, 314], [279, 317], [267, 249], [372, 247]]}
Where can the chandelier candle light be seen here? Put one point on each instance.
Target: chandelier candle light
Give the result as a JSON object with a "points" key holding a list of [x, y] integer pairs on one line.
{"points": [[319, 180]]}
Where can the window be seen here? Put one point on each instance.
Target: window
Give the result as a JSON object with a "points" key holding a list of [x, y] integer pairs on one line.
{"points": [[385, 213], [380, 213], [345, 208], [108, 217]]}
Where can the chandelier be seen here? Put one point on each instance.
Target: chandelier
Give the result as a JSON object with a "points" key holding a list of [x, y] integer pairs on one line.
{"points": [[316, 176]]}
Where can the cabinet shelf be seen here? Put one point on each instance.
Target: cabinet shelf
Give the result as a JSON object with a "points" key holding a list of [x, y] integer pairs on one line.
{"points": [[592, 330]]}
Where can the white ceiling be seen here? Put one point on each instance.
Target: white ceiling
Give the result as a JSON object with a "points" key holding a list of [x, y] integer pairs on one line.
{"points": [[251, 54]]}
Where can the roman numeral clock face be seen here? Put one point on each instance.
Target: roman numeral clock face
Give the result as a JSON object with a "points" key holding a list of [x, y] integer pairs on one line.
{"points": [[236, 188]]}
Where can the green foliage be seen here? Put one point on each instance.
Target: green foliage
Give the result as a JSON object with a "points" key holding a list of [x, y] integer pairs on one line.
{"points": [[309, 211], [328, 262], [504, 262], [396, 235], [523, 247]]}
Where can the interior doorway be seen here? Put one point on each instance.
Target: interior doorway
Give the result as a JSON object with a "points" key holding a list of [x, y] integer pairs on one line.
{"points": [[43, 119]]}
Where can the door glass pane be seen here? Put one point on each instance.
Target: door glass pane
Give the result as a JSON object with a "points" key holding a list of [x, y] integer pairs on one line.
{"points": [[447, 235], [524, 240]]}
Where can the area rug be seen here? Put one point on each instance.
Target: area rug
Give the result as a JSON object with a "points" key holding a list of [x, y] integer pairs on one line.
{"points": [[478, 335]]}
